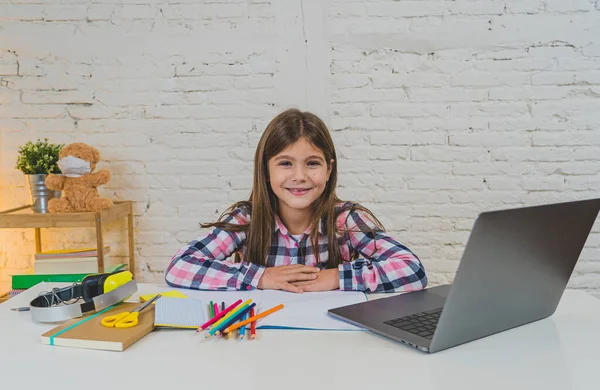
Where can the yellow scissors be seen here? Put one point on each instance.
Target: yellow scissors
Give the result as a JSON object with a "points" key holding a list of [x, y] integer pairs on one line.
{"points": [[127, 319]]}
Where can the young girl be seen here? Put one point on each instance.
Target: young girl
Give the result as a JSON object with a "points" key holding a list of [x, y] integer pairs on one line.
{"points": [[293, 233]]}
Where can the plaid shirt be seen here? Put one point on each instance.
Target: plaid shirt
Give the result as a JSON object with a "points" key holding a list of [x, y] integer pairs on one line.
{"points": [[383, 264]]}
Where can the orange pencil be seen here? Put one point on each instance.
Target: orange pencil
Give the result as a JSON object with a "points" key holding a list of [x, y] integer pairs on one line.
{"points": [[253, 326], [253, 318]]}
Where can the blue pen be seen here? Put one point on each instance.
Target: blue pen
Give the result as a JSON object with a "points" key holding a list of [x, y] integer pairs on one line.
{"points": [[233, 320]]}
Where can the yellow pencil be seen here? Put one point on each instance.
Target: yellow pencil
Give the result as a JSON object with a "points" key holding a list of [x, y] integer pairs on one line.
{"points": [[252, 319]]}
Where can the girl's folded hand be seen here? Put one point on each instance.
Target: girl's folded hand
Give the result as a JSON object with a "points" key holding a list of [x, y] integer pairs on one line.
{"points": [[282, 277], [326, 280]]}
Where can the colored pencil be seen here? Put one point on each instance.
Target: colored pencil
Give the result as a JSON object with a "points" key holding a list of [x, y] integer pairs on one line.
{"points": [[253, 326], [221, 314], [218, 326], [215, 329], [211, 309], [216, 308], [232, 320], [254, 318], [243, 328], [222, 305], [230, 313]]}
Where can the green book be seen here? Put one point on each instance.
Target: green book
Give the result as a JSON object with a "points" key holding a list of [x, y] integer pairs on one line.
{"points": [[23, 282]]}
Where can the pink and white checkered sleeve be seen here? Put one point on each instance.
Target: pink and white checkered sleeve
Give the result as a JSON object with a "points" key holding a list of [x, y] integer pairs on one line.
{"points": [[383, 265], [203, 264]]}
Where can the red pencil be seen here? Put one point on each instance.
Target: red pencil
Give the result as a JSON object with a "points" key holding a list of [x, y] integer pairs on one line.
{"points": [[252, 326], [221, 314], [216, 306]]}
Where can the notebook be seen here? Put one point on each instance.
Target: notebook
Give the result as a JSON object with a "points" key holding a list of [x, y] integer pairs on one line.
{"points": [[180, 313], [87, 332], [307, 311]]}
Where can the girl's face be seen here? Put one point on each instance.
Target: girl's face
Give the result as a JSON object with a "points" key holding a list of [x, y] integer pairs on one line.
{"points": [[298, 176]]}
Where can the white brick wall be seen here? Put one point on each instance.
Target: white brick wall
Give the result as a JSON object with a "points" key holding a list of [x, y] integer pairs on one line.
{"points": [[439, 109]]}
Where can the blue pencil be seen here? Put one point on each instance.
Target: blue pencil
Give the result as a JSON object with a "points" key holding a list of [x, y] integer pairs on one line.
{"points": [[243, 328], [232, 320]]}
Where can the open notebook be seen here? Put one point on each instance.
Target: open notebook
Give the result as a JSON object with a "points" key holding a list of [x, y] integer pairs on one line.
{"points": [[301, 311]]}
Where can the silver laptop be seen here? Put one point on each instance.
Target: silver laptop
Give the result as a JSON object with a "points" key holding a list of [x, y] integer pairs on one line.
{"points": [[514, 270]]}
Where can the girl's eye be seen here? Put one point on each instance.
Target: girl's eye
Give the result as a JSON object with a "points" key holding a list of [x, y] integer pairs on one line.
{"points": [[285, 163], [314, 163]]}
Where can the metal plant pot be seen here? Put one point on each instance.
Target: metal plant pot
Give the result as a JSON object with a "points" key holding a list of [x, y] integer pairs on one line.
{"points": [[40, 194]]}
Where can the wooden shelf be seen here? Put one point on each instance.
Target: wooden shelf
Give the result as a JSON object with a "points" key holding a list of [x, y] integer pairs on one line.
{"points": [[23, 217]]}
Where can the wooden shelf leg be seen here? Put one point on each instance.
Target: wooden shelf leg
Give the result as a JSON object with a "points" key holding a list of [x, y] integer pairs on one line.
{"points": [[131, 245], [38, 240], [99, 243]]}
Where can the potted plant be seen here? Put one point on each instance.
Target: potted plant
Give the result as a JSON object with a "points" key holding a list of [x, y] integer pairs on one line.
{"points": [[37, 160]]}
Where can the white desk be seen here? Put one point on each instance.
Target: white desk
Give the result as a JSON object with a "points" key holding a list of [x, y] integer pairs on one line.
{"points": [[561, 352]]}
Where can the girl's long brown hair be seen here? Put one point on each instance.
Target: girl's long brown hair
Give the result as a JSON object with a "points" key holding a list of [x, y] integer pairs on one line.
{"points": [[284, 130]]}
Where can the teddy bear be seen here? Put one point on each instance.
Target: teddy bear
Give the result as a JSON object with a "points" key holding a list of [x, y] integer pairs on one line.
{"points": [[79, 182]]}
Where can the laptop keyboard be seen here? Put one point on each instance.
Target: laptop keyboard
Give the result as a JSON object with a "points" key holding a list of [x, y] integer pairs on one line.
{"points": [[422, 324]]}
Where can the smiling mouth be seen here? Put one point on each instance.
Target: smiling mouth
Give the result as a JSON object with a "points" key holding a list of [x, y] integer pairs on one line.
{"points": [[298, 191]]}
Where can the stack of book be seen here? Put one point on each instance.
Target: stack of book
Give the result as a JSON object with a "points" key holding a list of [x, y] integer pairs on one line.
{"points": [[66, 265], [69, 261]]}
